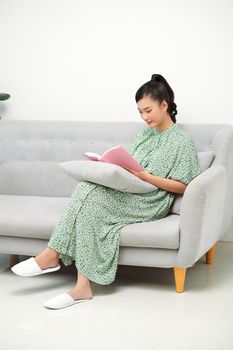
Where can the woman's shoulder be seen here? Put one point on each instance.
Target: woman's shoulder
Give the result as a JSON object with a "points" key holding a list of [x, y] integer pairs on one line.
{"points": [[143, 132], [181, 136]]}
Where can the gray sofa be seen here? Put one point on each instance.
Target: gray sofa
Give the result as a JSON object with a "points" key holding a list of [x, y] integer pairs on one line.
{"points": [[34, 191]]}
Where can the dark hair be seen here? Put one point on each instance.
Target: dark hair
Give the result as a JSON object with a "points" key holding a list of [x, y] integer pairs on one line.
{"points": [[158, 89]]}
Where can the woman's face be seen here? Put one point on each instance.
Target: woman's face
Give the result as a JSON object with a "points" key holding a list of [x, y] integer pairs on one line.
{"points": [[153, 113]]}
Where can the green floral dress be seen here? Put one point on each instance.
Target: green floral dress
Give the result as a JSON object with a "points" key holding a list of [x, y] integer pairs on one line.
{"points": [[88, 230]]}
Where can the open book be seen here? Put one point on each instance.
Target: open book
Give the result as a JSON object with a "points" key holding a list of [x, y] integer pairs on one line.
{"points": [[117, 155]]}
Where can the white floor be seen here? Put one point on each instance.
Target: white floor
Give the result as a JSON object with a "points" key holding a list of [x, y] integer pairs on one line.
{"points": [[139, 310]]}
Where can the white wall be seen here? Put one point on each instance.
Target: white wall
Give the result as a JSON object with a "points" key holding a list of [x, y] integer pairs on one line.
{"points": [[85, 59]]}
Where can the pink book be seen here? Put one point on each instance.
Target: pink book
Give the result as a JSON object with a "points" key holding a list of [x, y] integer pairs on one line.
{"points": [[117, 155]]}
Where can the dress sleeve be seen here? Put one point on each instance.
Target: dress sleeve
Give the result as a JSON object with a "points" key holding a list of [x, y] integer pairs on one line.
{"points": [[185, 167]]}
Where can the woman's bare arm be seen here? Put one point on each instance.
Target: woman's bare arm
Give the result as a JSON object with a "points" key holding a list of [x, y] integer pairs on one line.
{"points": [[161, 182]]}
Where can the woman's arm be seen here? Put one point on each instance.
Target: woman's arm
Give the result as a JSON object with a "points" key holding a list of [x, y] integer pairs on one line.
{"points": [[161, 182]]}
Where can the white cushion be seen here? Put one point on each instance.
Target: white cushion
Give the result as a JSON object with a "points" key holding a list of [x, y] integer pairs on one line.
{"points": [[116, 177], [204, 160], [106, 174]]}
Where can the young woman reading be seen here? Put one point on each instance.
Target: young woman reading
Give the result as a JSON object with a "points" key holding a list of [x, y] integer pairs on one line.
{"points": [[88, 230]]}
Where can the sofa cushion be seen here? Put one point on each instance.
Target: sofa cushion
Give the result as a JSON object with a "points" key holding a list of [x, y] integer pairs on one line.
{"points": [[36, 217], [204, 160], [30, 216], [106, 174], [161, 233]]}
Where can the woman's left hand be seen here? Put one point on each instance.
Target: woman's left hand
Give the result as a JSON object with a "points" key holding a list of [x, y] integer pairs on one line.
{"points": [[141, 174]]}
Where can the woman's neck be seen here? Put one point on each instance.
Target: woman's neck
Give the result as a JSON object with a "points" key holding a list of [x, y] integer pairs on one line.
{"points": [[165, 124]]}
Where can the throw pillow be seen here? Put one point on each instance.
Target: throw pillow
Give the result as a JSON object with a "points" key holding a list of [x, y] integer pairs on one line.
{"points": [[106, 174], [204, 160]]}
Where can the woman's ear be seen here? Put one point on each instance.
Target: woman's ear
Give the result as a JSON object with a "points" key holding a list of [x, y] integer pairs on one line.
{"points": [[164, 106]]}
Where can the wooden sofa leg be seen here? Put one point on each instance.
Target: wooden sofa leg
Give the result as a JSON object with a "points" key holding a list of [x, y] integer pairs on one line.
{"points": [[14, 259], [210, 254], [179, 274]]}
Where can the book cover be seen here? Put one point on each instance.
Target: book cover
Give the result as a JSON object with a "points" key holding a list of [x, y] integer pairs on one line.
{"points": [[117, 155]]}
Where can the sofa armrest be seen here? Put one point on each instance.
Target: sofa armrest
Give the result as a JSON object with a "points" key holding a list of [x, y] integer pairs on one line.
{"points": [[201, 215]]}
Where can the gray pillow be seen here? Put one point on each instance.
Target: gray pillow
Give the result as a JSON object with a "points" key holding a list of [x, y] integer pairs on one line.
{"points": [[106, 174], [204, 160]]}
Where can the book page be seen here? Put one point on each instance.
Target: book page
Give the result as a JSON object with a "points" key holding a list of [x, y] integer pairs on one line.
{"points": [[92, 155], [120, 156]]}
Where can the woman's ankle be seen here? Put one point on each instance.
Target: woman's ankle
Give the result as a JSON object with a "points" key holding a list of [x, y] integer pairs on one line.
{"points": [[79, 292], [51, 252], [47, 258]]}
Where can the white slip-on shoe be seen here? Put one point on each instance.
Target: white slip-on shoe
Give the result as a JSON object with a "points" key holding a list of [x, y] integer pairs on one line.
{"points": [[62, 300], [30, 267]]}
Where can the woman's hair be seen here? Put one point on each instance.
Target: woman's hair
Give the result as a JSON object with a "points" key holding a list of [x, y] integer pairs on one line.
{"points": [[158, 89]]}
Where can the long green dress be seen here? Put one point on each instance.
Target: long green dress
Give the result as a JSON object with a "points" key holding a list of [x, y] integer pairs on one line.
{"points": [[88, 230]]}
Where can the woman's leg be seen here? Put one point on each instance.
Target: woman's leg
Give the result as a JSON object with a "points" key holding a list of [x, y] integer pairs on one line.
{"points": [[49, 258], [63, 234], [82, 289]]}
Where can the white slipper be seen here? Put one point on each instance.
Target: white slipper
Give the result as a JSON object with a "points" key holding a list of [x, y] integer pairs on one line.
{"points": [[62, 300], [30, 267]]}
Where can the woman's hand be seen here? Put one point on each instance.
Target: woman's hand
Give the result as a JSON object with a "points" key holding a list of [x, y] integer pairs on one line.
{"points": [[142, 174], [168, 185]]}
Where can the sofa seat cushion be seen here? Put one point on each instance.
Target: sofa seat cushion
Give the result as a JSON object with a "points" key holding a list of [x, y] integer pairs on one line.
{"points": [[30, 216], [36, 217], [161, 233]]}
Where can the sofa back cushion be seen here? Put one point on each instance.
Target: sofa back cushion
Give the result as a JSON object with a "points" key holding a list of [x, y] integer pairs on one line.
{"points": [[205, 160], [30, 150]]}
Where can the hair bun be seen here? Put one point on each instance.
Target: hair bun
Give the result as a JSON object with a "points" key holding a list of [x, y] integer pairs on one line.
{"points": [[157, 77], [160, 79]]}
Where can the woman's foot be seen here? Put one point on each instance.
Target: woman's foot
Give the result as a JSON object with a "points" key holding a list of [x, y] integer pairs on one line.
{"points": [[63, 300], [82, 290], [48, 258], [29, 267], [81, 293]]}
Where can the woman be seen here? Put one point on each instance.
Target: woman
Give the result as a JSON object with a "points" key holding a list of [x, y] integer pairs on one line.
{"points": [[88, 230]]}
